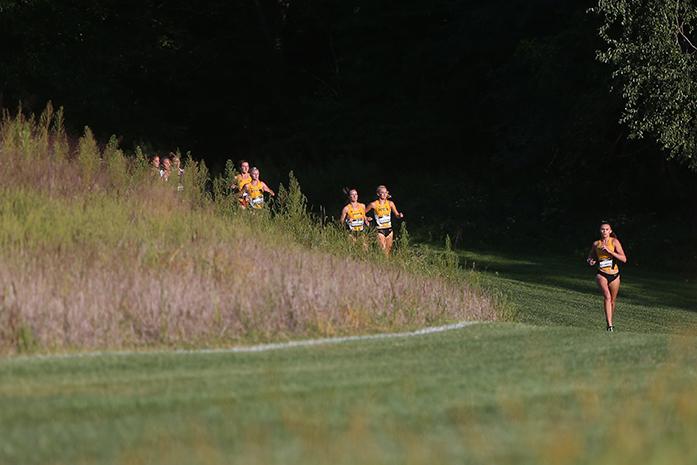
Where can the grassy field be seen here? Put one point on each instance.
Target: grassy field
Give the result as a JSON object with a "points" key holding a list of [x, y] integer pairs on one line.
{"points": [[562, 291], [552, 389], [96, 253]]}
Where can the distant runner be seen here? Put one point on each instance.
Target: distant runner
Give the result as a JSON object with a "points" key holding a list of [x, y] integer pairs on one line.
{"points": [[605, 254], [255, 190], [166, 169], [155, 164], [242, 180], [384, 208], [177, 163], [353, 215]]}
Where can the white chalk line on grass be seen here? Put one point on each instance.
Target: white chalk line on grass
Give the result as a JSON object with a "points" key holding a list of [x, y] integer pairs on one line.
{"points": [[262, 347]]}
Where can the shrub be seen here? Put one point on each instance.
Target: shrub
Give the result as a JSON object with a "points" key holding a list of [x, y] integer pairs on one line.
{"points": [[88, 157]]}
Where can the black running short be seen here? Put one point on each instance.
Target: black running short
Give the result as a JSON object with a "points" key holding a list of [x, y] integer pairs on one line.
{"points": [[385, 232], [610, 277]]}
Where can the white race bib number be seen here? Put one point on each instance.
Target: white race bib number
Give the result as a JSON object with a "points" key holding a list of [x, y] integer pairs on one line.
{"points": [[384, 221], [355, 224], [257, 202], [607, 263]]}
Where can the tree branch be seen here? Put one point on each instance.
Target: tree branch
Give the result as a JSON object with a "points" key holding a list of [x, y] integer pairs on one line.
{"points": [[680, 31], [679, 27]]}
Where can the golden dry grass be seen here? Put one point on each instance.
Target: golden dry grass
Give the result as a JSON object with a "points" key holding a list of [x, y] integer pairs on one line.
{"points": [[97, 252]]}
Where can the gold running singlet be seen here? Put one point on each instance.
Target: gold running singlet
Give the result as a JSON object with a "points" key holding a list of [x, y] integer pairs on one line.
{"points": [[383, 215], [355, 218], [606, 262], [242, 180], [256, 195]]}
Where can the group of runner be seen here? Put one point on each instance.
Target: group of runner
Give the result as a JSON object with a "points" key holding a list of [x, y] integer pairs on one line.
{"points": [[250, 188], [605, 254], [164, 166], [355, 216]]}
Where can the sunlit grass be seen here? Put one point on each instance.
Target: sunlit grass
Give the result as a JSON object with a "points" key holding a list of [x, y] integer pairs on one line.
{"points": [[495, 393], [562, 290], [97, 252]]}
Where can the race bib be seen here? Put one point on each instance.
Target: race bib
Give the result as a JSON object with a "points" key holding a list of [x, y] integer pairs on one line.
{"points": [[257, 202], [384, 221], [356, 224], [607, 263]]}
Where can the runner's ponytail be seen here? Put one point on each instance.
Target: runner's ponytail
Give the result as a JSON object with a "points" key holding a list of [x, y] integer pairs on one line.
{"points": [[347, 191], [382, 186]]}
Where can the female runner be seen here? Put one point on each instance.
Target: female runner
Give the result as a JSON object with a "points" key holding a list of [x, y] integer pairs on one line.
{"points": [[384, 208], [255, 190], [177, 162], [155, 165], [605, 253], [242, 180], [353, 215]]}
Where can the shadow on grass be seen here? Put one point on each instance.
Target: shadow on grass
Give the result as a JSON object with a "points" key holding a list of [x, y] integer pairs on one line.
{"points": [[641, 287]]}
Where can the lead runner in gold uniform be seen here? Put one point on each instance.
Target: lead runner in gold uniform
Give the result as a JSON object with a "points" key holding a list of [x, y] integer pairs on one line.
{"points": [[605, 254], [383, 209], [255, 190]]}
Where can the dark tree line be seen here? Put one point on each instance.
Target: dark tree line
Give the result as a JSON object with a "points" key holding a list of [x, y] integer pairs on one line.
{"points": [[498, 107]]}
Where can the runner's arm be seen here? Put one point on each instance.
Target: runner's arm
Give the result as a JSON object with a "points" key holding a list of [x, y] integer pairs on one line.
{"points": [[366, 218], [619, 252], [244, 192], [591, 260], [368, 208], [266, 189], [394, 209], [343, 215]]}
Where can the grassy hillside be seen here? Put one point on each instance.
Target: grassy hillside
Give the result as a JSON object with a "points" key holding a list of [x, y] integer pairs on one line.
{"points": [[506, 393], [96, 252]]}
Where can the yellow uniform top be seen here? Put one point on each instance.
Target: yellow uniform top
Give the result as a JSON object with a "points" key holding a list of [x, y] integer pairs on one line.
{"points": [[256, 194], [606, 262], [355, 217], [383, 214], [242, 180]]}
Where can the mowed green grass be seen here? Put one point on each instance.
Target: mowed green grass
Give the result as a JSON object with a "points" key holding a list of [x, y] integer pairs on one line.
{"points": [[555, 388], [562, 291]]}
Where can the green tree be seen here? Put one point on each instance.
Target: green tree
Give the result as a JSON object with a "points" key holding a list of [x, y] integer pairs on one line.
{"points": [[652, 48]]}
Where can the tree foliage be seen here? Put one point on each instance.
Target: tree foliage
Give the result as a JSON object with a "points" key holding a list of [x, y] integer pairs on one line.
{"points": [[652, 48], [499, 106]]}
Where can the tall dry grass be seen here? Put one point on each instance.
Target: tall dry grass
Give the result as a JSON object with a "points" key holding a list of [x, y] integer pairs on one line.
{"points": [[97, 252], [213, 295]]}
